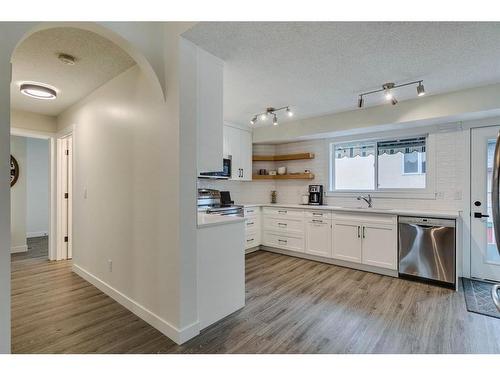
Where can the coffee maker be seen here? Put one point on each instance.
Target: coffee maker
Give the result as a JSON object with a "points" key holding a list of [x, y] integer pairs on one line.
{"points": [[316, 195]]}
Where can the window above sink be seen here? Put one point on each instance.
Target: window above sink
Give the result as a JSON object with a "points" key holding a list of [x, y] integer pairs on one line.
{"points": [[386, 167]]}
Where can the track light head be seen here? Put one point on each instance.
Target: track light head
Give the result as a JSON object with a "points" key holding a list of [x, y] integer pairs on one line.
{"points": [[253, 120], [394, 101], [288, 112], [420, 89], [275, 120], [360, 101], [387, 90]]}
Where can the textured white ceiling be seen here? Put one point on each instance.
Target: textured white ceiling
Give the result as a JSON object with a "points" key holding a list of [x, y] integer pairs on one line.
{"points": [[97, 61], [319, 68]]}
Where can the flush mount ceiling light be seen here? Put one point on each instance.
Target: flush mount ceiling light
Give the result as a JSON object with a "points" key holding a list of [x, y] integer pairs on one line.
{"points": [[388, 89], [37, 91], [270, 112]]}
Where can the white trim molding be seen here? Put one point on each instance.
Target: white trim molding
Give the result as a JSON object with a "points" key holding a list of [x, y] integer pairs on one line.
{"points": [[179, 336]]}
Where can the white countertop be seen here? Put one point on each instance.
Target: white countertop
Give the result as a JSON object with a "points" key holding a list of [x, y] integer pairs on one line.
{"points": [[395, 211], [210, 220]]}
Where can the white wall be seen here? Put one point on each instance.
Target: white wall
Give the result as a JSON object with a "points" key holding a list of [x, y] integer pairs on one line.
{"points": [[38, 177], [18, 197], [33, 121]]}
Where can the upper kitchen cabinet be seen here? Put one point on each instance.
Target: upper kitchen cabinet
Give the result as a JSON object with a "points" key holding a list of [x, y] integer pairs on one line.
{"points": [[238, 148], [210, 72]]}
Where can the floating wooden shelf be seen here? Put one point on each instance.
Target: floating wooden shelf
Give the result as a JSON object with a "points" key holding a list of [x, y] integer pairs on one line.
{"points": [[305, 155], [296, 176]]}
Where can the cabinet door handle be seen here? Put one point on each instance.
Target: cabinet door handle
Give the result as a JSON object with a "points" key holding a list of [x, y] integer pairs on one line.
{"points": [[285, 241], [250, 240], [250, 223], [282, 224], [359, 229], [364, 234], [317, 221], [282, 212], [317, 214]]}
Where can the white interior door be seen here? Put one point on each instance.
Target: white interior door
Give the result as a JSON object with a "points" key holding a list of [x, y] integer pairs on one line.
{"points": [[485, 259], [65, 198]]}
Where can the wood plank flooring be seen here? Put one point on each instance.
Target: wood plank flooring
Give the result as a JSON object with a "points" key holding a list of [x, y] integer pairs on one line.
{"points": [[292, 306]]}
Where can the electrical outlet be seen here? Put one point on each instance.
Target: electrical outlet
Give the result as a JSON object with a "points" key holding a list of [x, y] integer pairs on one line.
{"points": [[440, 195], [110, 265]]}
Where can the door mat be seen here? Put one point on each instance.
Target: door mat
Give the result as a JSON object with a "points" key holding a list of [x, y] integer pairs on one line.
{"points": [[478, 297]]}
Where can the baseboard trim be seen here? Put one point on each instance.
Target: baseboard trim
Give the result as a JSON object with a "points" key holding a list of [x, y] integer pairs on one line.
{"points": [[179, 336], [335, 262], [37, 234], [19, 249]]}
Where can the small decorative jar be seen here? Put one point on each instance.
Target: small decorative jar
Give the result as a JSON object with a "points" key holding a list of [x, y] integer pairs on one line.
{"points": [[274, 196]]}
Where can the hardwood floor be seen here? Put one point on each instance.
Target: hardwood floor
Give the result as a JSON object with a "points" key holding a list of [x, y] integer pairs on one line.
{"points": [[292, 306]]}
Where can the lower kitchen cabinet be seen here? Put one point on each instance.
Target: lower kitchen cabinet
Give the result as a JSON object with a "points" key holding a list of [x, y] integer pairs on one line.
{"points": [[368, 239], [379, 246], [371, 243], [252, 227], [347, 241], [319, 237]]}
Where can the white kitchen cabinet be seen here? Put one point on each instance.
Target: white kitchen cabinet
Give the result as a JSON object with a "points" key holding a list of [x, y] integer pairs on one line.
{"points": [[319, 237], [238, 147], [347, 241], [366, 239], [252, 227], [379, 245], [210, 71]]}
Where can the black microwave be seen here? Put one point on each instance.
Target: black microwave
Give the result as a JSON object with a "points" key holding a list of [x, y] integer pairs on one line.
{"points": [[225, 173]]}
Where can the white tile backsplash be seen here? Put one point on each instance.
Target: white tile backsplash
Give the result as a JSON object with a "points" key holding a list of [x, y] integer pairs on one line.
{"points": [[450, 176]]}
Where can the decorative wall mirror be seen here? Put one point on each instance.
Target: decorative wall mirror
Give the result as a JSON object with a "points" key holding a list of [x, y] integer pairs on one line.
{"points": [[14, 170]]}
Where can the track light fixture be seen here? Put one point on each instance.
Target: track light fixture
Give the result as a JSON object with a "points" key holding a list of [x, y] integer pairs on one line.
{"points": [[420, 89], [271, 112], [388, 89]]}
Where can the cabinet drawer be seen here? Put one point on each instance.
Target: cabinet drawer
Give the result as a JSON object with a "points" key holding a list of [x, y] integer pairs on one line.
{"points": [[318, 214], [284, 242], [286, 212], [252, 240], [286, 225], [252, 224], [252, 211]]}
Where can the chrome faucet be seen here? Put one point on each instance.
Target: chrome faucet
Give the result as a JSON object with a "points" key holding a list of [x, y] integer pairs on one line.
{"points": [[366, 199]]}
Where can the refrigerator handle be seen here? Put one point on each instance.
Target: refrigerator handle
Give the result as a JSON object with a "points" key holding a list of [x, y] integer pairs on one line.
{"points": [[495, 191], [494, 295]]}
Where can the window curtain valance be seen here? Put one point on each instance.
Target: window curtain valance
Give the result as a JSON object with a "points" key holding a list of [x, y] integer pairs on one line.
{"points": [[405, 146], [353, 150]]}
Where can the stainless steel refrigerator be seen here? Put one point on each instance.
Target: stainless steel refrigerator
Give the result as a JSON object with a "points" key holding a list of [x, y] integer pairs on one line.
{"points": [[495, 201]]}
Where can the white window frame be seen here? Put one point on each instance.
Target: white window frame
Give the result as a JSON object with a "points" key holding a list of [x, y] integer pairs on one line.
{"points": [[429, 192]]}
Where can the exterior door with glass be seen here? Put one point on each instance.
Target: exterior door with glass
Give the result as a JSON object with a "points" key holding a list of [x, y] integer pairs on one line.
{"points": [[485, 259]]}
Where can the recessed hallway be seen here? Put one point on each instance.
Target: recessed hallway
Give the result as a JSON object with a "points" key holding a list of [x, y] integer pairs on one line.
{"points": [[292, 306]]}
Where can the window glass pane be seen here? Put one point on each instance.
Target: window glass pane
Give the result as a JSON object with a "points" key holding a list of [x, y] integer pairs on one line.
{"points": [[410, 162], [354, 166], [401, 171]]}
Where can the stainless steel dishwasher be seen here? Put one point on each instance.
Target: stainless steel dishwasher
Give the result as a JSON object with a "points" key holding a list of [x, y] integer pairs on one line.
{"points": [[427, 250]]}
